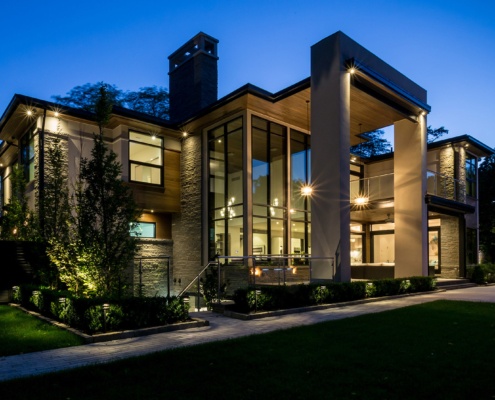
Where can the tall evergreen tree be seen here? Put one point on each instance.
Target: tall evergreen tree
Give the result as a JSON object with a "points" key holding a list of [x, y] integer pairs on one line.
{"points": [[106, 208]]}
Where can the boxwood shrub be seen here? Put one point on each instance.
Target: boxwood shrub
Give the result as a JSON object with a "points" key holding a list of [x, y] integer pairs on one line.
{"points": [[267, 298], [102, 314]]}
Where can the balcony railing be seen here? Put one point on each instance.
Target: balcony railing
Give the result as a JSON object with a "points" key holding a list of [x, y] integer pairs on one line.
{"points": [[445, 186], [371, 189], [381, 187]]}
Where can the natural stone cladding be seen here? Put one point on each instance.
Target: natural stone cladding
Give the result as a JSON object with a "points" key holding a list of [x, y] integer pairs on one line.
{"points": [[450, 247], [150, 267], [186, 226]]}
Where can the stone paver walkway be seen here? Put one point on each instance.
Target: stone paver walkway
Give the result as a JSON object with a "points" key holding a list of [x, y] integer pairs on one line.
{"points": [[220, 328]]}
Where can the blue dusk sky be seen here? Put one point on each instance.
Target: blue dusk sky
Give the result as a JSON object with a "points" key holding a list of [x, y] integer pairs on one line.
{"points": [[447, 47]]}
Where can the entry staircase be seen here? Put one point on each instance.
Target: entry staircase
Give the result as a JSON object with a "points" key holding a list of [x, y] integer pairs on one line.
{"points": [[450, 284]]}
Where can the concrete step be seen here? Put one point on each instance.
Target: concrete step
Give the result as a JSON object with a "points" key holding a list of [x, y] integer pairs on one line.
{"points": [[450, 284]]}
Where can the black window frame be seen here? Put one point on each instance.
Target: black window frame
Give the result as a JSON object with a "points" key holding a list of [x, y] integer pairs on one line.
{"points": [[132, 163]]}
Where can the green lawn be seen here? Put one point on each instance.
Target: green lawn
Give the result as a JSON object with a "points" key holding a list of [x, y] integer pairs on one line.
{"points": [[440, 350], [23, 333]]}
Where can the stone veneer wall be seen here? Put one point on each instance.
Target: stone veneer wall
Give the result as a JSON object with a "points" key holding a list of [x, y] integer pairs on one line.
{"points": [[186, 226], [154, 271], [449, 247], [447, 169]]}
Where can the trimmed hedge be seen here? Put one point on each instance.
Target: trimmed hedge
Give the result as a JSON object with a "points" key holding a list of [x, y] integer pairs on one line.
{"points": [[93, 315], [271, 298], [482, 273]]}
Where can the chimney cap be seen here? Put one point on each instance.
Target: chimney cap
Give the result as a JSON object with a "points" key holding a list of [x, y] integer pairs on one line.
{"points": [[201, 43]]}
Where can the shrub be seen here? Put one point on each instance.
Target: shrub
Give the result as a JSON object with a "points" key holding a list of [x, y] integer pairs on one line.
{"points": [[387, 287], [96, 314], [283, 297], [422, 283], [478, 275]]}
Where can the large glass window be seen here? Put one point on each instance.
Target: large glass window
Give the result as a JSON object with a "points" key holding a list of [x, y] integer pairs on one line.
{"points": [[146, 158], [300, 206], [27, 155], [226, 184], [470, 175], [383, 243], [269, 172]]}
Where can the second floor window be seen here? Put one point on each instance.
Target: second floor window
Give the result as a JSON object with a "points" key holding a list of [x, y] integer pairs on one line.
{"points": [[471, 175], [145, 158], [27, 155]]}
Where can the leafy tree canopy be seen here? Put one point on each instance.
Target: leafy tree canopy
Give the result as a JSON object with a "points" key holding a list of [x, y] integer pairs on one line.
{"points": [[151, 100], [375, 145], [434, 134]]}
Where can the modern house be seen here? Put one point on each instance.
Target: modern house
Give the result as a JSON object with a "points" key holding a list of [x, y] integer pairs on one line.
{"points": [[259, 174]]}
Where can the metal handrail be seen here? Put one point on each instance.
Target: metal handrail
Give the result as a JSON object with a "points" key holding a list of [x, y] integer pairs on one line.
{"points": [[197, 277]]}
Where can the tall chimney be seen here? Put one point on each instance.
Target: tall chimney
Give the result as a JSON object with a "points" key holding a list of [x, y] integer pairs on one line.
{"points": [[193, 77]]}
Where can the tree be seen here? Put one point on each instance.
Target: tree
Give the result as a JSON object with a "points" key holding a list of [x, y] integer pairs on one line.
{"points": [[106, 209], [434, 134], [486, 179], [55, 211], [17, 222], [375, 145], [151, 100], [86, 96]]}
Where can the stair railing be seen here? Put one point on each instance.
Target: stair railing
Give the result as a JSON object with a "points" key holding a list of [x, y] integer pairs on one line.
{"points": [[197, 279]]}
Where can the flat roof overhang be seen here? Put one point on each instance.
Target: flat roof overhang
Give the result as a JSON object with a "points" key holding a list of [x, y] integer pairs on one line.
{"points": [[446, 206], [23, 111]]}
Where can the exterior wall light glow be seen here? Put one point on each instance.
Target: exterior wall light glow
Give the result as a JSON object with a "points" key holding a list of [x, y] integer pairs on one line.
{"points": [[361, 200], [56, 113], [29, 113], [185, 134], [306, 190], [352, 70]]}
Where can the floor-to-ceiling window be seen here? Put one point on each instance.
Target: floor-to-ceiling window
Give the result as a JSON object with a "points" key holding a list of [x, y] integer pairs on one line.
{"points": [[269, 174], [383, 242], [300, 202], [226, 184]]}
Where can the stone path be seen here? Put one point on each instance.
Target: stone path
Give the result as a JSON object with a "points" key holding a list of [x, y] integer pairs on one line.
{"points": [[220, 328]]}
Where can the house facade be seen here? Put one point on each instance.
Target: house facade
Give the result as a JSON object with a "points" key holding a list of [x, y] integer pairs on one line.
{"points": [[259, 174]]}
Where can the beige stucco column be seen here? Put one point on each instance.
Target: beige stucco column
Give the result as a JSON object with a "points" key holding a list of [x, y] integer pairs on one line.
{"points": [[330, 144], [411, 219]]}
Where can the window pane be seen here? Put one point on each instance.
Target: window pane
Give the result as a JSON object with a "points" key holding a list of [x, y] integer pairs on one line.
{"points": [[145, 138], [260, 167], [277, 237], [145, 154], [277, 170], [217, 173], [143, 230], [234, 167], [356, 249], [146, 174], [384, 248], [260, 237]]}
